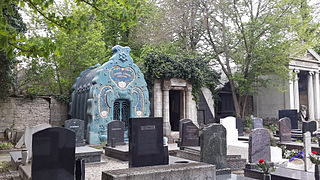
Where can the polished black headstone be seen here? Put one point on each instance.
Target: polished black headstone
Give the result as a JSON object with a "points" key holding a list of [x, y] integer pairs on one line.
{"points": [[115, 133], [292, 114], [146, 142], [239, 126], [80, 169], [76, 125], [310, 126], [53, 154], [190, 134]]}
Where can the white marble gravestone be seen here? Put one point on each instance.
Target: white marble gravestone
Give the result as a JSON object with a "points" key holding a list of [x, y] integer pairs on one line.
{"points": [[232, 132], [307, 151], [28, 136]]}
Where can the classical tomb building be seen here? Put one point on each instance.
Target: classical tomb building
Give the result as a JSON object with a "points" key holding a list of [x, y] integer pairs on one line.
{"points": [[302, 90]]}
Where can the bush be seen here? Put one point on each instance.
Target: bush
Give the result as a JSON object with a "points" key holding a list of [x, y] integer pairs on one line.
{"points": [[6, 145]]}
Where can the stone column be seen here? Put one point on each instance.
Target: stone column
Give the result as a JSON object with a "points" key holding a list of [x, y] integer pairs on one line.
{"points": [[316, 95], [165, 108], [296, 90], [291, 91], [188, 102], [157, 98], [310, 96]]}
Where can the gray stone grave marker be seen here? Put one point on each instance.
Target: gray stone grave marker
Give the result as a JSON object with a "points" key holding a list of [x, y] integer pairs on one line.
{"points": [[292, 114], [190, 134], [213, 145], [307, 151], [53, 154], [257, 123], [115, 133], [28, 134], [310, 126], [285, 129], [259, 145], [146, 142], [77, 126]]}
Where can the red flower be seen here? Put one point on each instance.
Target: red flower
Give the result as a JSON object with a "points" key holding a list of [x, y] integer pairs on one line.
{"points": [[314, 152], [261, 161]]}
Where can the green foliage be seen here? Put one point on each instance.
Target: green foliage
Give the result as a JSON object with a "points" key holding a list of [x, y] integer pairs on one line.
{"points": [[169, 63], [5, 166], [247, 122], [6, 145], [272, 127]]}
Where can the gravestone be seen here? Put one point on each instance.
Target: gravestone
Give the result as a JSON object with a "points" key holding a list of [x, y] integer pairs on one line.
{"points": [[213, 146], [53, 154], [77, 126], [310, 126], [29, 134], [257, 123], [115, 133], [230, 124], [292, 114], [307, 151], [146, 142], [259, 145], [180, 125], [190, 134], [239, 126], [285, 129]]}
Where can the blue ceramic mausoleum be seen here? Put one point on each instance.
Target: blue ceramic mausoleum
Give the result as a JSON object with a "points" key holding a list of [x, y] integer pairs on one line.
{"points": [[116, 90]]}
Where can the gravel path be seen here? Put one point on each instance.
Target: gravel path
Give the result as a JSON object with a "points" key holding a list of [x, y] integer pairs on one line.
{"points": [[94, 170]]}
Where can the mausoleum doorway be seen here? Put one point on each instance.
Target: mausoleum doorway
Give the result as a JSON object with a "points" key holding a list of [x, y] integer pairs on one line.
{"points": [[176, 108], [121, 111]]}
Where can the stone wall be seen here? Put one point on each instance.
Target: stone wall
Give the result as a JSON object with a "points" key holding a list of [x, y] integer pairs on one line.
{"points": [[19, 112]]}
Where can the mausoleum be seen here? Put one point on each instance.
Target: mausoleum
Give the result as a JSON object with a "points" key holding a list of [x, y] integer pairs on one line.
{"points": [[116, 90], [302, 90]]}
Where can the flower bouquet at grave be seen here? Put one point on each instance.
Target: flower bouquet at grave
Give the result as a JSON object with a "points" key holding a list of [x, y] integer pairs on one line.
{"points": [[314, 158], [264, 167]]}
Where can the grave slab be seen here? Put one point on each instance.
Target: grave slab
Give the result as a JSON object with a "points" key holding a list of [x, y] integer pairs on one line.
{"points": [[259, 145], [180, 171], [88, 154], [257, 123]]}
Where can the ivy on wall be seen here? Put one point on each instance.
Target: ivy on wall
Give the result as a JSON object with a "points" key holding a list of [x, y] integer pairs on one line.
{"points": [[191, 67]]}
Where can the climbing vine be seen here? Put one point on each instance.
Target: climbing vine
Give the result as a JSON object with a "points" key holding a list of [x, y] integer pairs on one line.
{"points": [[191, 67]]}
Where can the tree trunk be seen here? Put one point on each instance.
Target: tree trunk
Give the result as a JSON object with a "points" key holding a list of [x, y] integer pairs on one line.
{"points": [[235, 99]]}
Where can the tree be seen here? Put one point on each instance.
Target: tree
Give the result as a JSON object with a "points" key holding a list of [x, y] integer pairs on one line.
{"points": [[251, 39], [14, 25]]}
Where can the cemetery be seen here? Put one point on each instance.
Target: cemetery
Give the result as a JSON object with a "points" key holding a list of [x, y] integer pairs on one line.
{"points": [[111, 135], [159, 90]]}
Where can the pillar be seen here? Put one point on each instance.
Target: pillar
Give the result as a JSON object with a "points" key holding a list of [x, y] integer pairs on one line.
{"points": [[296, 90], [310, 96], [157, 98], [165, 108], [188, 102], [316, 95], [291, 92]]}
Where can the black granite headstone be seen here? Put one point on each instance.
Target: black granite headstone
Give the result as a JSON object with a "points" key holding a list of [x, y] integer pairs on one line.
{"points": [[76, 125], [115, 133], [310, 126], [239, 126], [80, 169], [190, 134], [146, 142], [53, 154], [292, 114]]}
